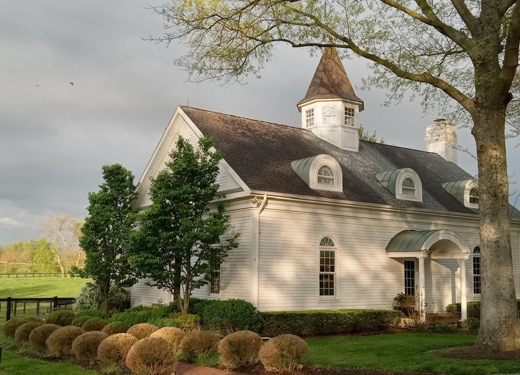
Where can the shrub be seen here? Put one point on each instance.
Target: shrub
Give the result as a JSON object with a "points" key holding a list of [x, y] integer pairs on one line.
{"points": [[443, 328], [38, 337], [472, 324], [142, 330], [404, 303], [114, 349], [80, 320], [186, 322], [61, 318], [283, 353], [12, 324], [173, 336], [198, 344], [227, 316], [328, 322], [90, 298], [141, 314], [115, 327], [164, 322], [60, 341], [151, 356], [85, 346], [22, 333], [91, 313], [473, 309], [93, 324], [239, 349]]}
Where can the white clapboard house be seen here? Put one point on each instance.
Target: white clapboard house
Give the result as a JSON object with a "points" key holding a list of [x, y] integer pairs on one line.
{"points": [[327, 221]]}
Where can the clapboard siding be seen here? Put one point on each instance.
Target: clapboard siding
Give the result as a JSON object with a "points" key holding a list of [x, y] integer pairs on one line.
{"points": [[146, 296]]}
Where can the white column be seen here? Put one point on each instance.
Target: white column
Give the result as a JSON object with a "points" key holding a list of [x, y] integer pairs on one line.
{"points": [[422, 290], [463, 302]]}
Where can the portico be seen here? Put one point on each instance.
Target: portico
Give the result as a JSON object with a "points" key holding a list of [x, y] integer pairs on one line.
{"points": [[440, 244]]}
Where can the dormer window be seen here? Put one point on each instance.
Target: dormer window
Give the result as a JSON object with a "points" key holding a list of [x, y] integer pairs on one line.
{"points": [[404, 183], [309, 117], [325, 176], [409, 189], [350, 116], [466, 192], [473, 196], [320, 172]]}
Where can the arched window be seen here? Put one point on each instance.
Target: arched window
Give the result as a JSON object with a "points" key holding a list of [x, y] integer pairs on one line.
{"points": [[326, 176], [327, 279], [476, 271], [409, 189]]}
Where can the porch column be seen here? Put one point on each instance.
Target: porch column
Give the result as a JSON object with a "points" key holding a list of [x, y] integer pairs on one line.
{"points": [[422, 290], [463, 302]]}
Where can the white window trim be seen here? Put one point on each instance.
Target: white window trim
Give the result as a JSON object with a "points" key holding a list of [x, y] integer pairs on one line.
{"points": [[211, 294], [355, 117], [334, 248], [473, 256], [470, 185], [313, 108], [403, 175], [317, 163]]}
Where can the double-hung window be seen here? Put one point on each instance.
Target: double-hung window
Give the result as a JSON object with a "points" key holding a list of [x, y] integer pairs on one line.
{"points": [[215, 272], [476, 271], [327, 279]]}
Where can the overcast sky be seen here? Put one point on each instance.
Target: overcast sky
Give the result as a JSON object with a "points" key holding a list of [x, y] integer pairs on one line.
{"points": [[54, 137]]}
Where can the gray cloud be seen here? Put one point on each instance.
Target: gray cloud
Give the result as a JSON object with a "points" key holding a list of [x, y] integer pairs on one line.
{"points": [[54, 138]]}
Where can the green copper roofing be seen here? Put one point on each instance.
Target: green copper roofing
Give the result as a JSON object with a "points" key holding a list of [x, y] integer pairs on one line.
{"points": [[410, 240], [388, 179], [302, 167], [456, 189]]}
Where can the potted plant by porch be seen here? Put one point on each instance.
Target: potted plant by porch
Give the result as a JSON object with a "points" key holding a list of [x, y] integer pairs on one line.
{"points": [[404, 303]]}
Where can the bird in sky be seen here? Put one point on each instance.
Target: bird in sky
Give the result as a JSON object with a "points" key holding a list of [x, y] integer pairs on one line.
{"points": [[37, 85], [71, 83]]}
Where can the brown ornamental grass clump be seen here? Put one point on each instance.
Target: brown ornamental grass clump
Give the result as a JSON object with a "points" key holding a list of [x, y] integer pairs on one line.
{"points": [[173, 336], [60, 341], [22, 333], [12, 324], [115, 327], [114, 349], [151, 356], [199, 344], [284, 353], [239, 349], [142, 330], [38, 337], [61, 318], [93, 324], [85, 346]]}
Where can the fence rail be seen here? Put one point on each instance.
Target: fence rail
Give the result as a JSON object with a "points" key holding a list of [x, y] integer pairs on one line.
{"points": [[33, 274], [55, 303]]}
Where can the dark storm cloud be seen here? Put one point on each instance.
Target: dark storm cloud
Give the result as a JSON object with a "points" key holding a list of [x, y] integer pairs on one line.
{"points": [[54, 138]]}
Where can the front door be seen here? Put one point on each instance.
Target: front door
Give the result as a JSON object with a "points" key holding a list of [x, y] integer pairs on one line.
{"points": [[409, 277]]}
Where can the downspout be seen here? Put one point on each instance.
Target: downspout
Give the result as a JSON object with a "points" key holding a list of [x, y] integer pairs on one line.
{"points": [[255, 256]]}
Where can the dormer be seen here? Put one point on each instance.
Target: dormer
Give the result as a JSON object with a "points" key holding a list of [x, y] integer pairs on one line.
{"points": [[331, 108], [465, 191], [404, 183], [320, 172]]}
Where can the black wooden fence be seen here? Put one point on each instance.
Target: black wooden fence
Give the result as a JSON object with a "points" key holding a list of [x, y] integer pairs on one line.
{"points": [[17, 306], [33, 274]]}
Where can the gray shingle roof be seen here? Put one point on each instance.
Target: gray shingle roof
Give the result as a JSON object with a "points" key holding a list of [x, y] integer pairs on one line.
{"points": [[261, 153]]}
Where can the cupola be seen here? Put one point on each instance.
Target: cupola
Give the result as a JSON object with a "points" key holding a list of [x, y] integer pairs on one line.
{"points": [[331, 108]]}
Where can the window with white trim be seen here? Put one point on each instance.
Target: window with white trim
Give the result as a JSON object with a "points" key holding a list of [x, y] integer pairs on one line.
{"points": [[409, 189], [215, 272], [408, 185], [350, 116], [473, 195], [326, 176], [327, 278], [476, 271], [309, 117]]}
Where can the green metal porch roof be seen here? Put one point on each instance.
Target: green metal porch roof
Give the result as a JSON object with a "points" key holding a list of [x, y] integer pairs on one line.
{"points": [[410, 240]]}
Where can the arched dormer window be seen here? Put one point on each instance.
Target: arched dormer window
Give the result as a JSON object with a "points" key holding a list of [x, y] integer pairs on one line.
{"points": [[404, 183], [320, 172], [327, 268], [476, 271], [466, 192]]}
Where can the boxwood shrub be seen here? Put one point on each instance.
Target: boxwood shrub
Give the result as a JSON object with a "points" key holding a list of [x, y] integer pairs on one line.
{"points": [[473, 309], [142, 314], [327, 322]]}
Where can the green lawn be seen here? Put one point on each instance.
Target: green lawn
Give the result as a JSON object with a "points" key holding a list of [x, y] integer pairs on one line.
{"points": [[14, 364], [401, 352]]}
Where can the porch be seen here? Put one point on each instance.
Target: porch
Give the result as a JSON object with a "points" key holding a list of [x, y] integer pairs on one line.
{"points": [[432, 245]]}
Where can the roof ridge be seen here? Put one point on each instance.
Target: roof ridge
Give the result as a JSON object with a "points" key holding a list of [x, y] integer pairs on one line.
{"points": [[402, 147]]}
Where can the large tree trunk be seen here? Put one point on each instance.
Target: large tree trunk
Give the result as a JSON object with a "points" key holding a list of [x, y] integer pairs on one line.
{"points": [[499, 323]]}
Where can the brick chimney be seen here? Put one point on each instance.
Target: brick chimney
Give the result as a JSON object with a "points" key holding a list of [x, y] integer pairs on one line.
{"points": [[441, 137]]}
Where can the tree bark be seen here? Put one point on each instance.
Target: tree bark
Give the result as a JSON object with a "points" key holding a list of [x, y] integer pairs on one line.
{"points": [[500, 326]]}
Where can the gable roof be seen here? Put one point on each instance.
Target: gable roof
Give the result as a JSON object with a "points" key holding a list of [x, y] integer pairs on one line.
{"points": [[261, 153], [330, 80]]}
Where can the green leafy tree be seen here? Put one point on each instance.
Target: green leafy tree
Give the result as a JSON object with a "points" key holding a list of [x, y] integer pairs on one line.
{"points": [[365, 135], [459, 55], [180, 233], [42, 255], [106, 232]]}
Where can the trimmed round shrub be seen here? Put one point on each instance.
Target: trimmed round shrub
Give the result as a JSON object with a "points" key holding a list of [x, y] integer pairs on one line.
{"points": [[472, 324], [22, 333], [199, 344], [173, 336], [115, 327], [283, 353], [61, 318], [90, 298], [93, 324], [12, 324], [85, 346], [39, 336], [80, 320], [151, 356], [60, 341], [239, 349], [227, 316], [114, 349], [142, 330]]}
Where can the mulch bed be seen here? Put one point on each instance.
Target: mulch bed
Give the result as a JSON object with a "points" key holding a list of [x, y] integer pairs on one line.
{"points": [[475, 352]]}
